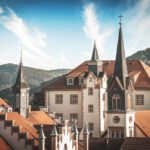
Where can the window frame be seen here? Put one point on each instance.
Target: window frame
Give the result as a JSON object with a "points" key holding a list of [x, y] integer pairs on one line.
{"points": [[139, 99], [73, 99], [90, 91], [58, 101], [90, 108]]}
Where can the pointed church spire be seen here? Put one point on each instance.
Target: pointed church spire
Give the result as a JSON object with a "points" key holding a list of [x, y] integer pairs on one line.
{"points": [[20, 80], [41, 133], [95, 56], [120, 69]]}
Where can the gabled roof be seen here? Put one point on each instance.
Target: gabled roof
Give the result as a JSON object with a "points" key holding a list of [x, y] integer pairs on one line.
{"points": [[26, 126], [134, 66]]}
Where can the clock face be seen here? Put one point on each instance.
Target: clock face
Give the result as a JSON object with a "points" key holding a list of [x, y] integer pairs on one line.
{"points": [[116, 119]]}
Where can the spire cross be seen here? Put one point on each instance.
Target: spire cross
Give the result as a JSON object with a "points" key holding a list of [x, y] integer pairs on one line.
{"points": [[120, 19]]}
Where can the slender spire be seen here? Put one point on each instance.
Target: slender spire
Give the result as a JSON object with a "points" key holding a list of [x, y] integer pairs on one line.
{"points": [[86, 129], [74, 128], [54, 131], [120, 69], [95, 56], [20, 80], [41, 133]]}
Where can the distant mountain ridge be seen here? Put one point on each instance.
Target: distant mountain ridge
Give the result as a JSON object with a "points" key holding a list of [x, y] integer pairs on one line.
{"points": [[143, 55], [35, 77]]}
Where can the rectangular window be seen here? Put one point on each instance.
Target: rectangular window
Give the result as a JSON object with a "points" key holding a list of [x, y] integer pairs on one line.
{"points": [[90, 108], [70, 81], [81, 80], [91, 126], [73, 117], [59, 115], [74, 99], [58, 99], [90, 91], [139, 99]]}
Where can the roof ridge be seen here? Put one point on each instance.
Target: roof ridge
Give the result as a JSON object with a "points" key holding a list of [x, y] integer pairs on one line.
{"points": [[144, 67]]}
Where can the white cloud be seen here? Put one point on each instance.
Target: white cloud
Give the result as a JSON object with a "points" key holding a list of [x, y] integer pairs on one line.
{"points": [[138, 26], [93, 28], [1, 10]]}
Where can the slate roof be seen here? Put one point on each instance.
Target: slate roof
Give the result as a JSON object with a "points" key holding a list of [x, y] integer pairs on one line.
{"points": [[134, 67]]}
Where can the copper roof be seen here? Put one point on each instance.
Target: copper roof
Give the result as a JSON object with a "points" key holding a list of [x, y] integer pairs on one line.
{"points": [[134, 67]]}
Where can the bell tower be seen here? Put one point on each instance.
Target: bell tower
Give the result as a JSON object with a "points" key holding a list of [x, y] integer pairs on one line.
{"points": [[21, 92], [120, 96]]}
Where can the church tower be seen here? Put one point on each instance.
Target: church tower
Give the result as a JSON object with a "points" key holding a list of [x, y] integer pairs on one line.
{"points": [[120, 96], [95, 65], [21, 92]]}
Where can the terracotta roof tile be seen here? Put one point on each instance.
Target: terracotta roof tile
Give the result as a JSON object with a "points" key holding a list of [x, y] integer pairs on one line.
{"points": [[26, 126], [40, 117], [142, 120], [134, 67], [4, 145]]}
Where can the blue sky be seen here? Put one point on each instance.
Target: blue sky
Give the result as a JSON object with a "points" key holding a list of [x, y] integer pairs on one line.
{"points": [[60, 33]]}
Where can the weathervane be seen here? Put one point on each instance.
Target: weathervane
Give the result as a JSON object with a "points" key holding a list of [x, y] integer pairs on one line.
{"points": [[120, 21]]}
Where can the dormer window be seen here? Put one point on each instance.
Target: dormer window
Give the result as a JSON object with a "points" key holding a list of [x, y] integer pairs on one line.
{"points": [[81, 81], [70, 81]]}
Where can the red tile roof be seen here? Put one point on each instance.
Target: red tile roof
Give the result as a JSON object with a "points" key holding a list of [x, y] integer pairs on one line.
{"points": [[40, 117], [26, 126], [142, 121], [134, 67], [4, 145]]}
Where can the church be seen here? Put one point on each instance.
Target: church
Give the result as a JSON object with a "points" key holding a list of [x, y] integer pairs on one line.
{"points": [[107, 94]]}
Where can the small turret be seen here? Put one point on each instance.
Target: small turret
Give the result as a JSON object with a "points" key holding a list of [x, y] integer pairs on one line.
{"points": [[41, 139], [74, 130], [54, 136], [21, 92], [95, 65], [86, 137]]}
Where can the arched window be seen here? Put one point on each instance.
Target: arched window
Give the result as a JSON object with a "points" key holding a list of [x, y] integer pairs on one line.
{"points": [[116, 102], [65, 147]]}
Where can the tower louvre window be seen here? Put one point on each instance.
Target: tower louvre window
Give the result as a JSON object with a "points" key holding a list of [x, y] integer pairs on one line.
{"points": [[115, 102]]}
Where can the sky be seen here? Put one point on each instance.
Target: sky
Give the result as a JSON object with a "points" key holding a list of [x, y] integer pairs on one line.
{"points": [[55, 34]]}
